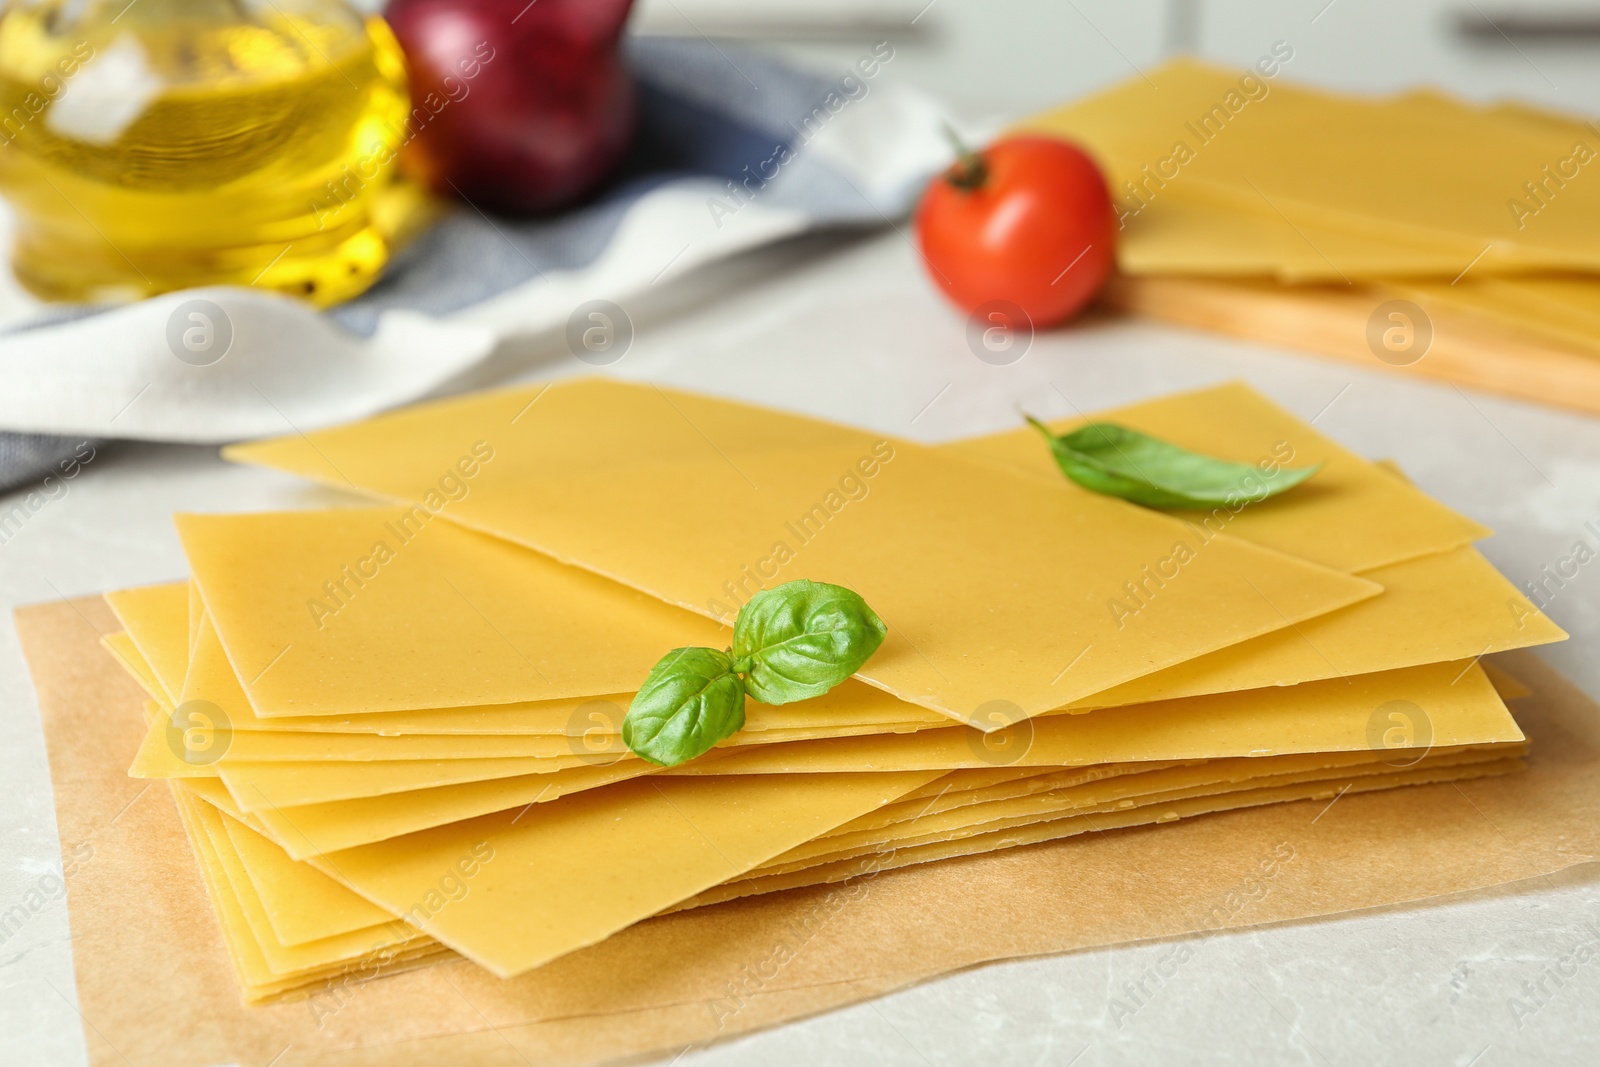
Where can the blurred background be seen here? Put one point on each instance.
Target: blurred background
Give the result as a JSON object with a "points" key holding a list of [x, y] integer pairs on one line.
{"points": [[723, 87], [1013, 57]]}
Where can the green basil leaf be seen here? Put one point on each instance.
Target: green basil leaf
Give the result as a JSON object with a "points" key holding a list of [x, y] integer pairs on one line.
{"points": [[1117, 461], [801, 639], [690, 701]]}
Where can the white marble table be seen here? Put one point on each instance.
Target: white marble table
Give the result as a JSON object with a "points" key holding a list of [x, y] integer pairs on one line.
{"points": [[848, 330]]}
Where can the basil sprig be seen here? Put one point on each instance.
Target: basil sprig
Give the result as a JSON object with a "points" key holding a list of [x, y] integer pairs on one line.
{"points": [[1114, 460], [790, 643]]}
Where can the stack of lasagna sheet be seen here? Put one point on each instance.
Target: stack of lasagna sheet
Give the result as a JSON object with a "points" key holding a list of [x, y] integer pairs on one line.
{"points": [[393, 729], [1397, 227]]}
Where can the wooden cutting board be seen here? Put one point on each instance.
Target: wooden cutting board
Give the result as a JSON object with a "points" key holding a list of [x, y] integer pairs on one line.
{"points": [[1339, 322]]}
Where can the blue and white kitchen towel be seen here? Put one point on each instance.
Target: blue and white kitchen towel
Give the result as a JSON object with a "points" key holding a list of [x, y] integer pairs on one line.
{"points": [[735, 150]]}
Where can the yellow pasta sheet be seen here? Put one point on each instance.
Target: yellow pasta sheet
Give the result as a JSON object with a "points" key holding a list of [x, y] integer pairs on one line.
{"points": [[1189, 228], [513, 890], [1442, 704], [959, 789], [1211, 778], [120, 645], [296, 895], [1071, 825], [261, 984], [211, 677], [197, 609], [1455, 697], [260, 787], [305, 905], [341, 824], [1442, 607], [156, 618], [1220, 727], [301, 904], [513, 894], [931, 540], [386, 610], [1448, 704], [1449, 606], [347, 821], [283, 960], [1446, 606], [1414, 170], [1356, 517], [1564, 309]]}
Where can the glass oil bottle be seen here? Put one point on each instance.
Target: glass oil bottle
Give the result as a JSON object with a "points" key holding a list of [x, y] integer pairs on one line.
{"points": [[168, 144]]}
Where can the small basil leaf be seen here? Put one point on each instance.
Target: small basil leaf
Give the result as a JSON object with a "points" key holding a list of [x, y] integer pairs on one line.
{"points": [[690, 701], [801, 639], [1117, 461]]}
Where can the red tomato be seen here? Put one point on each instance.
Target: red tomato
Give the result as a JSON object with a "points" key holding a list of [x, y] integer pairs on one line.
{"points": [[1028, 220]]}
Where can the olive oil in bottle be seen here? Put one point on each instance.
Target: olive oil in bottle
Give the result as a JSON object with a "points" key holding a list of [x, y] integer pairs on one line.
{"points": [[166, 144]]}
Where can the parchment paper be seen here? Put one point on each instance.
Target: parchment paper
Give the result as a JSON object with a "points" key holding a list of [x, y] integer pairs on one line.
{"points": [[155, 986]]}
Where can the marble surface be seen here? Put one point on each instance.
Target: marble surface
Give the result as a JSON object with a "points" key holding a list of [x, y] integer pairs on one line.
{"points": [[848, 330]]}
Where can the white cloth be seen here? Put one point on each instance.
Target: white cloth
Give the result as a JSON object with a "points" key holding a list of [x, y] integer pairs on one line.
{"points": [[243, 363]]}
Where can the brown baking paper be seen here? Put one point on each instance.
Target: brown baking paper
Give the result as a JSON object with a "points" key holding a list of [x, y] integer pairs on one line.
{"points": [[155, 986]]}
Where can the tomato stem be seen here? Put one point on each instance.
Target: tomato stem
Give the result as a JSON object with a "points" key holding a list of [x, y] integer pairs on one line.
{"points": [[969, 171]]}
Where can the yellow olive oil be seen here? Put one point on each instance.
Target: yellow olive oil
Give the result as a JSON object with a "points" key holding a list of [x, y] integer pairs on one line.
{"points": [[167, 144]]}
